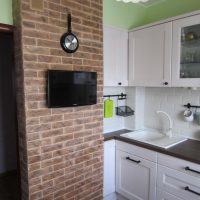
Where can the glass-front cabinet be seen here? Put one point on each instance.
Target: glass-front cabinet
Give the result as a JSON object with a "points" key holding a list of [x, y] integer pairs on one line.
{"points": [[186, 52]]}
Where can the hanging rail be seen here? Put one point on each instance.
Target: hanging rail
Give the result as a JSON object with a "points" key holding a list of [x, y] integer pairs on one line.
{"points": [[122, 95], [191, 106]]}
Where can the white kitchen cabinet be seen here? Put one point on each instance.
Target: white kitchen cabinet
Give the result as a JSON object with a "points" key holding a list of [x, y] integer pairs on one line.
{"points": [[179, 165], [178, 177], [141, 174], [135, 176], [115, 56], [179, 184], [109, 168], [150, 56], [186, 52], [162, 195]]}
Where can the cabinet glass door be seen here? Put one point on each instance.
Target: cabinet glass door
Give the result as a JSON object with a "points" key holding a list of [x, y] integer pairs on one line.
{"points": [[190, 52]]}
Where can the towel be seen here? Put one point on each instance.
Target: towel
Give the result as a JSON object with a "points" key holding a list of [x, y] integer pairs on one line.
{"points": [[108, 108]]}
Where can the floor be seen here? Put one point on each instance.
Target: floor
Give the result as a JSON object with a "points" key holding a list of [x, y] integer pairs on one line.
{"points": [[9, 186], [114, 196]]}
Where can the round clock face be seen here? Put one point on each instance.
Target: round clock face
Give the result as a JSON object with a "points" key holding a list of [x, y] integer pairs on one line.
{"points": [[69, 43]]}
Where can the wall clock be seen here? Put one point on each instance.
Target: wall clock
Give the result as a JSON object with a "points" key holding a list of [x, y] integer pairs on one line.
{"points": [[69, 42]]}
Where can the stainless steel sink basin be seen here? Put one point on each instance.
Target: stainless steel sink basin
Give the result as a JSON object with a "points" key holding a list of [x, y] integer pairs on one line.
{"points": [[154, 137]]}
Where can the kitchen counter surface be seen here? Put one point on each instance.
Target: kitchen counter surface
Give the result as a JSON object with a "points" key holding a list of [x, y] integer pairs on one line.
{"points": [[113, 135], [188, 150]]}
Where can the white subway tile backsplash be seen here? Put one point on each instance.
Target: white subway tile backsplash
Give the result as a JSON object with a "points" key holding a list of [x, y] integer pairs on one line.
{"points": [[182, 92], [175, 100], [146, 101], [129, 122], [191, 98], [171, 100]]}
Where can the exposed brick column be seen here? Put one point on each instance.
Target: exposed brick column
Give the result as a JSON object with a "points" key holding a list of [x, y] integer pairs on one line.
{"points": [[20, 100], [61, 150]]}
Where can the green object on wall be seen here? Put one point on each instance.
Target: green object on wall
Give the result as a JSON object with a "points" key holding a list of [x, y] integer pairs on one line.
{"points": [[129, 15], [108, 108], [6, 12]]}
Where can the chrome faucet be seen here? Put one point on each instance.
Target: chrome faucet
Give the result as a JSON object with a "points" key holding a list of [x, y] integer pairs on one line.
{"points": [[168, 131]]}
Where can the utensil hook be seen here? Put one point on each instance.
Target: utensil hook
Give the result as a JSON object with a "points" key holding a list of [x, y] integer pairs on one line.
{"points": [[188, 106]]}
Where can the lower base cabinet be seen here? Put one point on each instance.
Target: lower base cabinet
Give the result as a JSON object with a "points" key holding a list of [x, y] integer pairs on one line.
{"points": [[143, 174], [162, 195], [178, 177], [135, 176]]}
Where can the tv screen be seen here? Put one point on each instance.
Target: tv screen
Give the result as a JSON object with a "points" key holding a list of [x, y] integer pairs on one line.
{"points": [[71, 88]]}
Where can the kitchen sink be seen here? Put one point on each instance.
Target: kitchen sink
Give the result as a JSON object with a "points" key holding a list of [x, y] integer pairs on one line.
{"points": [[155, 138]]}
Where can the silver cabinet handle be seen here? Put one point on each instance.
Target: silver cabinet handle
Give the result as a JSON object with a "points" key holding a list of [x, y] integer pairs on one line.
{"points": [[192, 191], [136, 161], [192, 170]]}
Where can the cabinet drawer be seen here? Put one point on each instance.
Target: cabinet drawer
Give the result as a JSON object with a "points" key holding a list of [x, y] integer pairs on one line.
{"points": [[180, 165], [138, 151], [162, 195], [179, 184]]}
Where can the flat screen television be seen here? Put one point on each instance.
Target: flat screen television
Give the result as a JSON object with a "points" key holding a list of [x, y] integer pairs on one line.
{"points": [[71, 88]]}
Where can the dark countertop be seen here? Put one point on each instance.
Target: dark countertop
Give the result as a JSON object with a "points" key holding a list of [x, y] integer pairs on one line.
{"points": [[188, 150], [113, 135]]}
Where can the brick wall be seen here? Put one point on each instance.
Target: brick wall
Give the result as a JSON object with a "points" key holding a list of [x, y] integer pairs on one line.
{"points": [[60, 149]]}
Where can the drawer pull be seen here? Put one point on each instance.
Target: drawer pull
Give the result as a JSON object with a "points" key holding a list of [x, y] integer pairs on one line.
{"points": [[192, 170], [192, 191], [136, 161]]}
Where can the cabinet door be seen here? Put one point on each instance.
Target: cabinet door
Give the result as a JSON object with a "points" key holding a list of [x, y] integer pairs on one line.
{"points": [[186, 52], [115, 57], [135, 177], [179, 184], [150, 56], [109, 167], [162, 195]]}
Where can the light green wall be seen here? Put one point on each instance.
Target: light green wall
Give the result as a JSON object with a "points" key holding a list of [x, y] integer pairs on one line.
{"points": [[6, 12], [129, 15]]}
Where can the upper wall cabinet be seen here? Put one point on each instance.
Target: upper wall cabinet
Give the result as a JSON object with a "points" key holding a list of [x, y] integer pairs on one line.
{"points": [[186, 52], [115, 57], [150, 56]]}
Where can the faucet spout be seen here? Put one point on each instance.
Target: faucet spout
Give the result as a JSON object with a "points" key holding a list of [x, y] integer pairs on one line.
{"points": [[169, 131]]}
